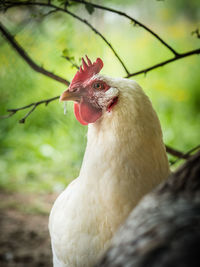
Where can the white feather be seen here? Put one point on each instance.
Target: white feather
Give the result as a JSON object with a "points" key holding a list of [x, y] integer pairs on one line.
{"points": [[124, 159]]}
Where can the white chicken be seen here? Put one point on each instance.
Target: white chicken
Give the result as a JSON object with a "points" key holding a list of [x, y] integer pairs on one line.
{"points": [[125, 158]]}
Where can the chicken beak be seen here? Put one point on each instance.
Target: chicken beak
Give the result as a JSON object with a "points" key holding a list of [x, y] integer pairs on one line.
{"points": [[68, 95]]}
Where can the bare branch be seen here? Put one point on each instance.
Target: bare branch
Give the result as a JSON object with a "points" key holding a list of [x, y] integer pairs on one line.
{"points": [[34, 105], [181, 155], [169, 150], [26, 57], [177, 55], [101, 35], [8, 116], [197, 33], [27, 3], [27, 114], [176, 153], [193, 149], [71, 61], [51, 12], [187, 54], [136, 22]]}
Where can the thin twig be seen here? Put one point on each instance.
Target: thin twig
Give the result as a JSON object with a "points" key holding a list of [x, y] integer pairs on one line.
{"points": [[50, 12], [71, 61], [136, 22], [193, 149], [27, 114], [33, 105], [196, 32], [8, 116], [182, 55], [182, 155], [44, 101], [176, 152], [14, 4], [27, 58], [102, 37]]}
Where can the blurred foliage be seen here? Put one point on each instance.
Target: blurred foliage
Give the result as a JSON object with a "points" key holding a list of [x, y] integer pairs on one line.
{"points": [[46, 152]]}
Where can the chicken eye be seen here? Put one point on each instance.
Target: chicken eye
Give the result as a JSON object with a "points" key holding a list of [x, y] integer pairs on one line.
{"points": [[98, 86]]}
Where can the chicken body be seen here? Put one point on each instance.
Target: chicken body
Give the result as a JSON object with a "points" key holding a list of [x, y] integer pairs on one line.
{"points": [[125, 158]]}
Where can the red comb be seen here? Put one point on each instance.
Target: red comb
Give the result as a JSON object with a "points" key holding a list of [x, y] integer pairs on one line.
{"points": [[87, 70]]}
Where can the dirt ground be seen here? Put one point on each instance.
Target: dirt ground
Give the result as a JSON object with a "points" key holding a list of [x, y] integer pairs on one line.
{"points": [[24, 237]]}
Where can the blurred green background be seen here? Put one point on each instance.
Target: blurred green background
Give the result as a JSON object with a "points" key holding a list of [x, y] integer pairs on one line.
{"points": [[46, 152]]}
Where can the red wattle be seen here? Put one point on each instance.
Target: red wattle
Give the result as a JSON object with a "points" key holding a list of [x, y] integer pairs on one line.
{"points": [[77, 114], [86, 113]]}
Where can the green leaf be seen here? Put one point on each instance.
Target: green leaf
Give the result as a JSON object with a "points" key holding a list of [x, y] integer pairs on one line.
{"points": [[89, 8], [65, 52]]}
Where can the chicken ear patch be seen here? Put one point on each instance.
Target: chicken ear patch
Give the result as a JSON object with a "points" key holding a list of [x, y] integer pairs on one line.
{"points": [[85, 113]]}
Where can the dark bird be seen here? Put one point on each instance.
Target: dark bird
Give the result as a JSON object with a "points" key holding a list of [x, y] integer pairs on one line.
{"points": [[164, 229]]}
